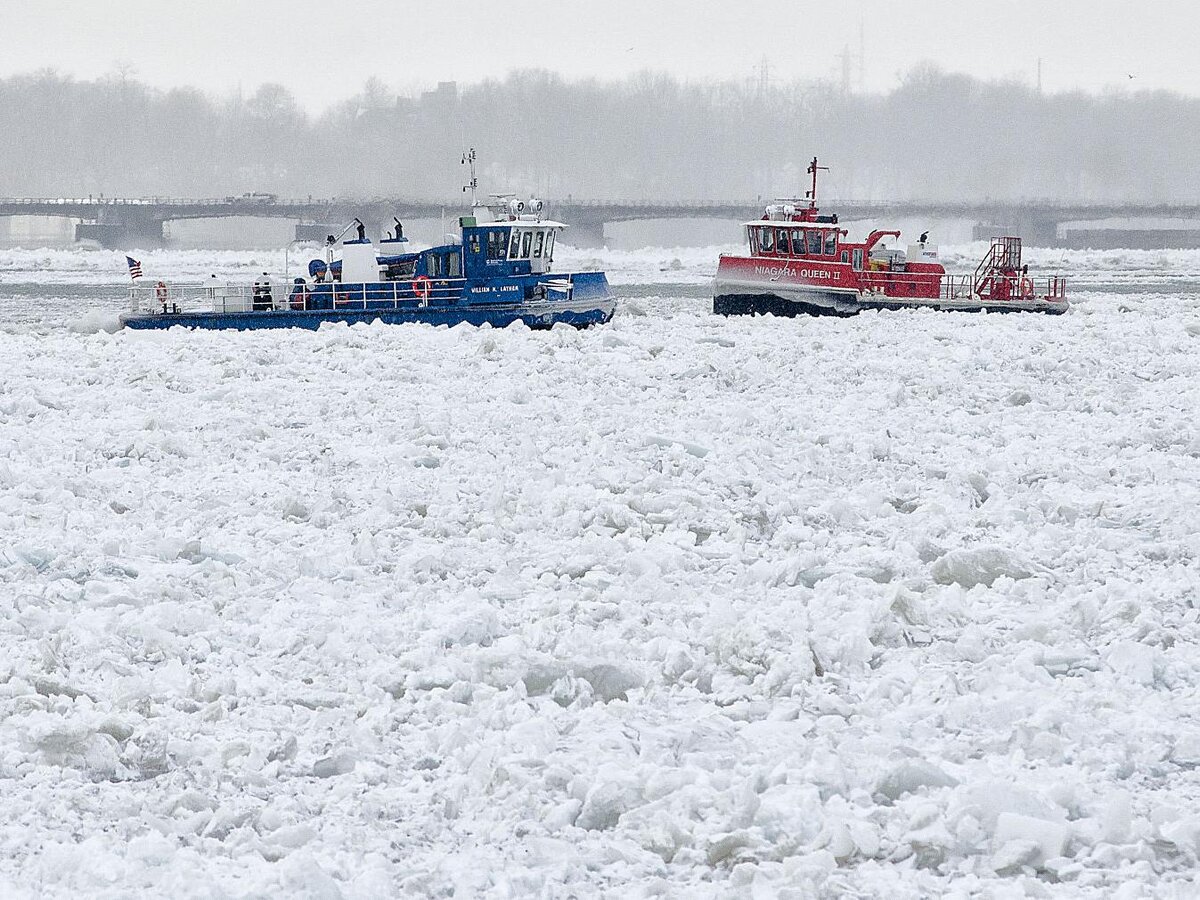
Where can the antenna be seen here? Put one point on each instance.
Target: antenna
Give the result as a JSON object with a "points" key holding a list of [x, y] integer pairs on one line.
{"points": [[469, 159], [764, 77], [862, 57], [813, 168]]}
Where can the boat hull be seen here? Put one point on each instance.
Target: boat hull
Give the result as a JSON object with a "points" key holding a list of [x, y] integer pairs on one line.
{"points": [[590, 304], [813, 303], [744, 300]]}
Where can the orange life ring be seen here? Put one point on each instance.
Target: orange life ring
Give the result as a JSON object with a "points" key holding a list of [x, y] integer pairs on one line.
{"points": [[160, 292], [421, 286]]}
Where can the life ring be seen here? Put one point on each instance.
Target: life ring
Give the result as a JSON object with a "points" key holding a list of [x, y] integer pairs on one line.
{"points": [[160, 292], [421, 286]]}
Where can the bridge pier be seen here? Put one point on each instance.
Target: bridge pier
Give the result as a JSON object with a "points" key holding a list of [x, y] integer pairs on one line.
{"points": [[315, 231], [584, 234], [118, 235], [1034, 230]]}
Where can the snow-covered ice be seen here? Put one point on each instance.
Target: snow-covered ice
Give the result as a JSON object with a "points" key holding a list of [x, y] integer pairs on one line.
{"points": [[902, 605]]}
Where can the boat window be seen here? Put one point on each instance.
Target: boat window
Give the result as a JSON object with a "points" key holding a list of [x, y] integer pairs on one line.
{"points": [[814, 243], [398, 270], [436, 264], [782, 244], [495, 244], [845, 256], [538, 241], [797, 241], [858, 257], [475, 243], [830, 243], [768, 239], [454, 265], [525, 242], [549, 244], [514, 246]]}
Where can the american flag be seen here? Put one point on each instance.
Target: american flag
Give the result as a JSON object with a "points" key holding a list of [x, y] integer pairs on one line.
{"points": [[135, 268]]}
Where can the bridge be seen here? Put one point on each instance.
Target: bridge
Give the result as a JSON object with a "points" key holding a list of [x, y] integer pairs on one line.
{"points": [[138, 222]]}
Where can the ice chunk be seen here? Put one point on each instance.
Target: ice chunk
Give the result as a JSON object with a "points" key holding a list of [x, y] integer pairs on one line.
{"points": [[1117, 819], [1018, 398], [1134, 660], [96, 321], [339, 764], [910, 776], [604, 804], [1048, 839], [694, 449], [610, 681], [1015, 854], [980, 565]]}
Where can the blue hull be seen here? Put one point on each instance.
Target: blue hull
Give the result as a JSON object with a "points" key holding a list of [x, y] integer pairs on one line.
{"points": [[590, 304]]}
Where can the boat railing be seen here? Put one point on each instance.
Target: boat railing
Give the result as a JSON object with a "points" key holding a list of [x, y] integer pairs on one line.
{"points": [[1010, 288], [225, 298], [957, 287]]}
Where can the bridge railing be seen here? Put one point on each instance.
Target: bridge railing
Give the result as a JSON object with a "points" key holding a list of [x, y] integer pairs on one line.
{"points": [[845, 207]]}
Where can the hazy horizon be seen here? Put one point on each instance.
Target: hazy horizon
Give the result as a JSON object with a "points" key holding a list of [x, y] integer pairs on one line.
{"points": [[1096, 46]]}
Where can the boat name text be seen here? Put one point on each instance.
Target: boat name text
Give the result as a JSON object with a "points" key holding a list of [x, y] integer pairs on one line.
{"points": [[792, 272]]}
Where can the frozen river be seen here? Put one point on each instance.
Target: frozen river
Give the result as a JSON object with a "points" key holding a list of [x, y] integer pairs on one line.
{"points": [[899, 605]]}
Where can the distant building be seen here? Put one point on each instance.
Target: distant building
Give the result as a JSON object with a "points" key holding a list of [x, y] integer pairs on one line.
{"points": [[444, 96]]}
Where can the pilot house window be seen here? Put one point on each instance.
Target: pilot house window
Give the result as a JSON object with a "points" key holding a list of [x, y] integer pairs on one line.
{"points": [[514, 247], [525, 242], [768, 240], [783, 245], [495, 244], [830, 243], [814, 243], [538, 241]]}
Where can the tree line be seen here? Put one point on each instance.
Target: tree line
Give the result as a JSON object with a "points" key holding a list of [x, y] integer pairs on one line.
{"points": [[936, 136]]}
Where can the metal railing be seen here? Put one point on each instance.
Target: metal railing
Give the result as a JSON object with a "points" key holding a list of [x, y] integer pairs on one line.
{"points": [[1004, 288], [964, 288], [222, 298]]}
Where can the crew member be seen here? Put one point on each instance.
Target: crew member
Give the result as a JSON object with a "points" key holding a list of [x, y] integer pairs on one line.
{"points": [[261, 293], [299, 295]]}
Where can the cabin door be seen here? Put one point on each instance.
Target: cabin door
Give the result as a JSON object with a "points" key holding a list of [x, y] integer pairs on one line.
{"points": [[539, 258]]}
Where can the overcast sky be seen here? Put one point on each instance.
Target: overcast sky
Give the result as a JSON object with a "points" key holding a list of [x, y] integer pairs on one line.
{"points": [[323, 52]]}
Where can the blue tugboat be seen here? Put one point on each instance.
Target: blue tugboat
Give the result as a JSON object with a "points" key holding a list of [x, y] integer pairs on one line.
{"points": [[498, 273]]}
